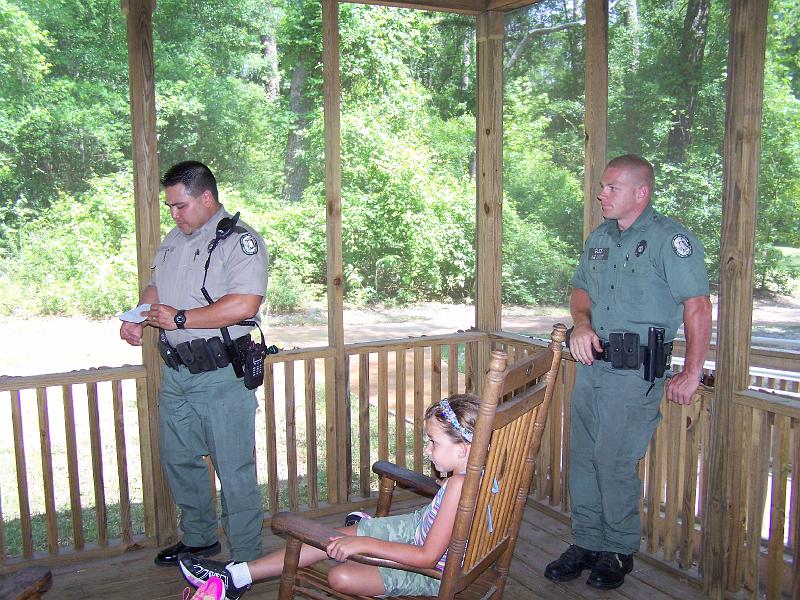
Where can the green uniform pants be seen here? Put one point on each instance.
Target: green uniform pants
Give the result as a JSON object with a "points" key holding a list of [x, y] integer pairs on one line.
{"points": [[612, 420], [211, 414]]}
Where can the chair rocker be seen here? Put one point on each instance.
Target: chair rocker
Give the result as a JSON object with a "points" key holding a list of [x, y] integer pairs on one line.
{"points": [[506, 441]]}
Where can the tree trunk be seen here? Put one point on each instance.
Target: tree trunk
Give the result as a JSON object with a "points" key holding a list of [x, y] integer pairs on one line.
{"points": [[690, 61], [295, 168], [270, 51]]}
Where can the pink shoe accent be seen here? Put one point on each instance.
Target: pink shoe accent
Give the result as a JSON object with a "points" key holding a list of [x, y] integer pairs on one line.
{"points": [[212, 589]]}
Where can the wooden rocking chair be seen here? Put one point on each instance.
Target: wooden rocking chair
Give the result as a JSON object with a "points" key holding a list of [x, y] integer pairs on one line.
{"points": [[507, 436]]}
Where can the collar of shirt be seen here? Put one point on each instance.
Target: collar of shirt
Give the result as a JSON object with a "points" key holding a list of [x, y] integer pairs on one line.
{"points": [[641, 222]]}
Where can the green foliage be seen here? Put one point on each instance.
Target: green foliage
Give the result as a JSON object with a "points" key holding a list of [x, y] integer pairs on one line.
{"points": [[408, 150]]}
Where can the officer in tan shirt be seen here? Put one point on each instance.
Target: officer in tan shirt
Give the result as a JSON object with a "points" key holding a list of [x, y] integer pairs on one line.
{"points": [[204, 408]]}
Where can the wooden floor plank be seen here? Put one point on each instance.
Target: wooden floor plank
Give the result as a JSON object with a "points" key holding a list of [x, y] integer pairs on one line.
{"points": [[542, 538]]}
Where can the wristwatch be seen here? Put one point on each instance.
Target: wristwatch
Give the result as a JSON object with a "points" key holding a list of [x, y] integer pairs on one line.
{"points": [[180, 319]]}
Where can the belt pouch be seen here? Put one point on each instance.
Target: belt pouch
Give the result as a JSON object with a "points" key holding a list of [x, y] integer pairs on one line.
{"points": [[187, 356], [615, 351], [203, 356], [217, 350], [169, 355], [630, 346]]}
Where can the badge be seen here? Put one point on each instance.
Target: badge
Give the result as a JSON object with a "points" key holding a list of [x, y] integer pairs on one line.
{"points": [[598, 253], [640, 248], [249, 244], [682, 245]]}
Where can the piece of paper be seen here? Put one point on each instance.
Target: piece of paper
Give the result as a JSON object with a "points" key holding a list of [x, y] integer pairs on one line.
{"points": [[135, 315]]}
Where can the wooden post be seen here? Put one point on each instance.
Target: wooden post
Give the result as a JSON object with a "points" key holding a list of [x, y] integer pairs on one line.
{"points": [[742, 146], [337, 405], [489, 200], [595, 110], [159, 505]]}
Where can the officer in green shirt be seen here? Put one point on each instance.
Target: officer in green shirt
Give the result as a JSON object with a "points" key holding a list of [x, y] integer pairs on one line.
{"points": [[640, 273]]}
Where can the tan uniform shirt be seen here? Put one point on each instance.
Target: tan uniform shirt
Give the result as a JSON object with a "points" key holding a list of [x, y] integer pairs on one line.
{"points": [[238, 265]]}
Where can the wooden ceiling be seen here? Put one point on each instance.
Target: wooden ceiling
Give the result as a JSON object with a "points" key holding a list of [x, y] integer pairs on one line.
{"points": [[466, 7]]}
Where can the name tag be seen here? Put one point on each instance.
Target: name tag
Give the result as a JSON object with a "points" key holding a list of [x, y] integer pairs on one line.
{"points": [[598, 253]]}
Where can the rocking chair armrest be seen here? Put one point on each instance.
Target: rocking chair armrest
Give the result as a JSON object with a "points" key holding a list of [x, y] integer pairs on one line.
{"points": [[407, 478], [315, 534], [304, 529]]}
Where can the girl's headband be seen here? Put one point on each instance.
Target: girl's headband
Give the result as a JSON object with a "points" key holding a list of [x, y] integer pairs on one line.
{"points": [[449, 414]]}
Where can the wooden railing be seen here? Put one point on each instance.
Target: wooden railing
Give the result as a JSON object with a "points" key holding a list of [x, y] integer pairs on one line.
{"points": [[56, 424], [88, 422]]}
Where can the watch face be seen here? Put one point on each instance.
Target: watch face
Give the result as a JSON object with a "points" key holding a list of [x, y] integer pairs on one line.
{"points": [[180, 319]]}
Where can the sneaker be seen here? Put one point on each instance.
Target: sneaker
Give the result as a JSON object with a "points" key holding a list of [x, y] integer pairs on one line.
{"points": [[569, 565], [199, 570], [355, 517], [610, 570], [212, 589]]}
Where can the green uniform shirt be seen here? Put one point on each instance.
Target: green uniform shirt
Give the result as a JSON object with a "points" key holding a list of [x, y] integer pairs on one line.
{"points": [[639, 278], [238, 266]]}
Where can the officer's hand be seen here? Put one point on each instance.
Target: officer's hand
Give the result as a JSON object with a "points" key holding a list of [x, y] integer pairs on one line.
{"points": [[682, 386], [131, 333], [581, 343], [162, 316]]}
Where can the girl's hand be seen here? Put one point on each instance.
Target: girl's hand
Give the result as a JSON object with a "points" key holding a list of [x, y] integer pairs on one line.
{"points": [[341, 548]]}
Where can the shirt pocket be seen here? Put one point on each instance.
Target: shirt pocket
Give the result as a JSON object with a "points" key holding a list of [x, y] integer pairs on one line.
{"points": [[599, 275]]}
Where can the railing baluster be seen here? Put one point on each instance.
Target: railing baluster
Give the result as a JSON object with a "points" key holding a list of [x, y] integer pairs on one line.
{"points": [[363, 424], [738, 490], [692, 425], [47, 471], [311, 432], [146, 457], [122, 463], [419, 405], [97, 464], [452, 369], [22, 476], [672, 426], [759, 451], [273, 482], [383, 405], [794, 510], [400, 406], [72, 468], [780, 472], [2, 530], [436, 373], [291, 434]]}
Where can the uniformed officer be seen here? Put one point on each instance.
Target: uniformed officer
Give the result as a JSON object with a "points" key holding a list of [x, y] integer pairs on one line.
{"points": [[638, 270], [208, 411]]}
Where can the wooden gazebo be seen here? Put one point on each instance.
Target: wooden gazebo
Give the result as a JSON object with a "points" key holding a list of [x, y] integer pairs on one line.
{"points": [[726, 480]]}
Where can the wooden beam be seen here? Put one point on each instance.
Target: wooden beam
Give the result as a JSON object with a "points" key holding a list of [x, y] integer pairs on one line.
{"points": [[141, 74], [489, 197], [741, 150], [464, 7], [337, 404], [595, 110]]}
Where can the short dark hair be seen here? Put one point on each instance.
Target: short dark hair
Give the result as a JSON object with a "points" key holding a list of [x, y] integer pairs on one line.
{"points": [[635, 162], [194, 175]]}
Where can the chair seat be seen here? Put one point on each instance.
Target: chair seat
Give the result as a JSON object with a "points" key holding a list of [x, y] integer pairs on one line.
{"points": [[26, 584]]}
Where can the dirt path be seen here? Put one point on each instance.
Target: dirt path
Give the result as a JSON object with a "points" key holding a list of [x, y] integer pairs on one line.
{"points": [[58, 344]]}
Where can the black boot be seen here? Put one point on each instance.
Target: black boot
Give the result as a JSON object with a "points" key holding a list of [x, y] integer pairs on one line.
{"points": [[169, 556], [610, 570], [569, 565]]}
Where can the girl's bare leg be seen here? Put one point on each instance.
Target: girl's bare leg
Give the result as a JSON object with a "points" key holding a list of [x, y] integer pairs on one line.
{"points": [[271, 565], [355, 578]]}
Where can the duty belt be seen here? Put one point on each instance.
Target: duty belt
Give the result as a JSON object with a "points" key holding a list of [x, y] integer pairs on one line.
{"points": [[200, 355], [623, 351]]}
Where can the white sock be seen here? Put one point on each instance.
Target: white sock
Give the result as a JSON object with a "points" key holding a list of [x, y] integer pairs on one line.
{"points": [[240, 574]]}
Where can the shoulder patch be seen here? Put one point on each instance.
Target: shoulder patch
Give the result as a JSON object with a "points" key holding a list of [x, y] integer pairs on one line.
{"points": [[249, 244], [681, 245]]}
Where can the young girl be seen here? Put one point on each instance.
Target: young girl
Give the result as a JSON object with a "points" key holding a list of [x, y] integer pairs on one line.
{"points": [[419, 539]]}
